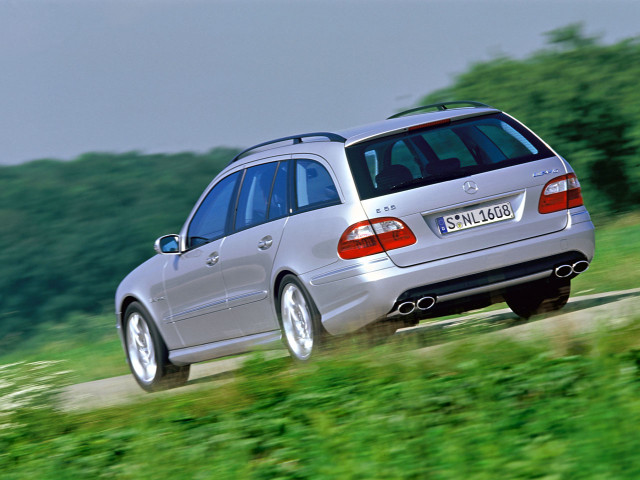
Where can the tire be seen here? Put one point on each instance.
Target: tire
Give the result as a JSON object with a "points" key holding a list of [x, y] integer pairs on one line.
{"points": [[538, 297], [302, 331], [147, 353]]}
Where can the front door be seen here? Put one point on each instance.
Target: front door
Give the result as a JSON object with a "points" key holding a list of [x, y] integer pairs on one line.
{"points": [[196, 294], [193, 280]]}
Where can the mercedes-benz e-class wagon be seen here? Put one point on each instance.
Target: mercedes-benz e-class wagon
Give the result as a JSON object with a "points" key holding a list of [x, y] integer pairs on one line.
{"points": [[437, 210]]}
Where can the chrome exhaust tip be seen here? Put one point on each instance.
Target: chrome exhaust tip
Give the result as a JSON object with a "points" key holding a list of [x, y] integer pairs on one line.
{"points": [[406, 308], [425, 303], [580, 266], [563, 271]]}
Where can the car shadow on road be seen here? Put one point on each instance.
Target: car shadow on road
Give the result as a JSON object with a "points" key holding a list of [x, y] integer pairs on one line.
{"points": [[226, 369], [215, 377], [437, 332]]}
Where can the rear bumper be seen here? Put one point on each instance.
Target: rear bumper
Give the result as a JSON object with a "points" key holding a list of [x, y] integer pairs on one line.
{"points": [[362, 292]]}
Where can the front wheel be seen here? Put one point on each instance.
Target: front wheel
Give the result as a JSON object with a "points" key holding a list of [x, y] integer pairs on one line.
{"points": [[299, 319], [147, 354], [538, 297]]}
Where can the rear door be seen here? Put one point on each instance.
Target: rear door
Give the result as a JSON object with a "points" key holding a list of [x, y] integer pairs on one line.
{"points": [[462, 187], [249, 253]]}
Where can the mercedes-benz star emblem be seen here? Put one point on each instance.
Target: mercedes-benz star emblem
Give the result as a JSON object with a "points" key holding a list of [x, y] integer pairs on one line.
{"points": [[470, 187]]}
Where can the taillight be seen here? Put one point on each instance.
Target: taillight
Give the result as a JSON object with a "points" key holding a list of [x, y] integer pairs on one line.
{"points": [[561, 193], [374, 236]]}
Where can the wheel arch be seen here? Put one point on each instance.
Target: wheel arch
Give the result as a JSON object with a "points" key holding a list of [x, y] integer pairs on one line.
{"points": [[124, 304], [127, 300], [276, 286]]}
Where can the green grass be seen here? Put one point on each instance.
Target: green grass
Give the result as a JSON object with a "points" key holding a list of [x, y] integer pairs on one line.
{"points": [[616, 265], [86, 344], [482, 409]]}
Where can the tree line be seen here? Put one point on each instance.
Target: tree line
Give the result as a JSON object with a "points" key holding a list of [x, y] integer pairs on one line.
{"points": [[74, 229]]}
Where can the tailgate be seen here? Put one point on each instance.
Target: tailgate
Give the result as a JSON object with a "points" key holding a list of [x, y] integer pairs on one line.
{"points": [[473, 213]]}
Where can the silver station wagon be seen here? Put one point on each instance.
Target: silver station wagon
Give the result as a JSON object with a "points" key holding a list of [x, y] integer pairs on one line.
{"points": [[436, 210]]}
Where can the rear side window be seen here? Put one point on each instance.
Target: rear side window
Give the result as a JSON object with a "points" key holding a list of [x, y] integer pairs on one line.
{"points": [[314, 187], [436, 154]]}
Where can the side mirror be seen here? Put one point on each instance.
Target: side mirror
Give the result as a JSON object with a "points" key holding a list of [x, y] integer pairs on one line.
{"points": [[167, 244]]}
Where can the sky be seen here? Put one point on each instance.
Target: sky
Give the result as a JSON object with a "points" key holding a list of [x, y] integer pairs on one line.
{"points": [[81, 76]]}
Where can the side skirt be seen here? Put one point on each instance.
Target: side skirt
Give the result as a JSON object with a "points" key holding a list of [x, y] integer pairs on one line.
{"points": [[233, 346]]}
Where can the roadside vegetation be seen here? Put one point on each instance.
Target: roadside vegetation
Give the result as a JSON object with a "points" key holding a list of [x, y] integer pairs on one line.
{"points": [[482, 409]]}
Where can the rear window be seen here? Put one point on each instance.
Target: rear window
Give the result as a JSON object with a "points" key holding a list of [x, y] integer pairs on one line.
{"points": [[436, 154]]}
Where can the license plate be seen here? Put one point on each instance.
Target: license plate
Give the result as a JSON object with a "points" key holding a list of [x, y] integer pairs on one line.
{"points": [[475, 218]]}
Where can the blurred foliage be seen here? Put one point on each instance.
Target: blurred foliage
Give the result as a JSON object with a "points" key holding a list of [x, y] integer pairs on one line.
{"points": [[582, 98], [74, 229], [485, 408]]}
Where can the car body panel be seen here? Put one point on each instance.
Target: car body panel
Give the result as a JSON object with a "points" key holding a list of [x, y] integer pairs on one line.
{"points": [[421, 207], [197, 296], [246, 269], [145, 285]]}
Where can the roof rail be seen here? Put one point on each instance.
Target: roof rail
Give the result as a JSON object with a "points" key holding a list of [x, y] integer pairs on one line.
{"points": [[332, 137], [439, 106]]}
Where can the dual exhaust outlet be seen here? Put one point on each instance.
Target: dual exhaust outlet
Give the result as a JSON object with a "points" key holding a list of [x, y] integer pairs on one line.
{"points": [[564, 271], [427, 302], [408, 307]]}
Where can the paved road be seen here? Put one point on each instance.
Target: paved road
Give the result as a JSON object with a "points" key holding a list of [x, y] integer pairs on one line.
{"points": [[582, 314]]}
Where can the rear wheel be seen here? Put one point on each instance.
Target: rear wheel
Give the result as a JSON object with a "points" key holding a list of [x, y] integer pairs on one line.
{"points": [[538, 297], [299, 319], [147, 354]]}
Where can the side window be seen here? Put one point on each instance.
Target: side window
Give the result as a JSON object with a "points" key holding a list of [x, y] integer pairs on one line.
{"points": [[314, 186], [254, 195], [210, 220], [279, 205]]}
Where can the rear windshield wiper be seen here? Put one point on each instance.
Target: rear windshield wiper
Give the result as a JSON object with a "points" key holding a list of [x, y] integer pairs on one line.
{"points": [[428, 180], [413, 181]]}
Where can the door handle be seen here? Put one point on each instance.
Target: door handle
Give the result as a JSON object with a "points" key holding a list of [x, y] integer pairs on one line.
{"points": [[265, 242], [213, 259]]}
